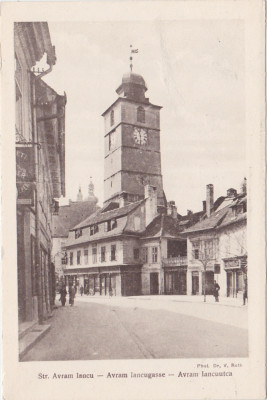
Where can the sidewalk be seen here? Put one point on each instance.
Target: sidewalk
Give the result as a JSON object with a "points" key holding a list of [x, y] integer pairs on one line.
{"points": [[225, 301], [227, 311]]}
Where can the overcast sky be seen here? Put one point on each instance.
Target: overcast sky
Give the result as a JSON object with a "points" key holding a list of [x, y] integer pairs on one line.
{"points": [[194, 70]]}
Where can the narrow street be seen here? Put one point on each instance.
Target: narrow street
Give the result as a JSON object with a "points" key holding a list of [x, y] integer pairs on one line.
{"points": [[138, 328]]}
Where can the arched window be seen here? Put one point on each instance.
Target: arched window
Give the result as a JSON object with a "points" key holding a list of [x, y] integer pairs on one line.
{"points": [[141, 116], [112, 117]]}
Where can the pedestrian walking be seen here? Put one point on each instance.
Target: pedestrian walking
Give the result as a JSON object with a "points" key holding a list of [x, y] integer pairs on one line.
{"points": [[71, 295], [216, 291], [245, 293], [81, 290], [63, 294]]}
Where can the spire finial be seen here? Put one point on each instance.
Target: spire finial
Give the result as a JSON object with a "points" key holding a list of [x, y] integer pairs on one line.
{"points": [[132, 51]]}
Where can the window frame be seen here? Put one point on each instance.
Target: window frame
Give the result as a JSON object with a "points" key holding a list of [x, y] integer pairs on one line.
{"points": [[154, 255]]}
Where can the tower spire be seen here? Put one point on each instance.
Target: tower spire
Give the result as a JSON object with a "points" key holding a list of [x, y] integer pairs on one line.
{"points": [[132, 51]]}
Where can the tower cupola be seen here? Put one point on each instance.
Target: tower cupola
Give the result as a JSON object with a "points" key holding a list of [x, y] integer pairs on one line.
{"points": [[133, 87]]}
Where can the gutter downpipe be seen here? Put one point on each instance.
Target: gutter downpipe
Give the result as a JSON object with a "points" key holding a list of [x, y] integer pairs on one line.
{"points": [[37, 193]]}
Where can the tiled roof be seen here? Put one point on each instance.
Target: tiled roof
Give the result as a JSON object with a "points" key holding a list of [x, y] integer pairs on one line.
{"points": [[85, 238], [163, 226], [222, 217], [100, 216], [70, 215]]}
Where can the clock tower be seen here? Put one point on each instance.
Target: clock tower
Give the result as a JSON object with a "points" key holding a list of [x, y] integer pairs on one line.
{"points": [[132, 144]]}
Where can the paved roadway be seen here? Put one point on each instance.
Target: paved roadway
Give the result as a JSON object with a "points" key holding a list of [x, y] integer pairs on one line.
{"points": [[137, 328]]}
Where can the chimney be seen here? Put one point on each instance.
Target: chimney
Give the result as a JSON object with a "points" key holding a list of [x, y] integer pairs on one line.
{"points": [[244, 186], [209, 199], [204, 205], [151, 203], [231, 192], [172, 209], [122, 200]]}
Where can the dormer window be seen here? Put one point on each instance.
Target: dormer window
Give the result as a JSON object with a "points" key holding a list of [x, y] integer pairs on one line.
{"points": [[111, 224], [141, 116], [78, 233], [112, 117]]}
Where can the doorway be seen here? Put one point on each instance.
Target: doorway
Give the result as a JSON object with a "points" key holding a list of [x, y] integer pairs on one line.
{"points": [[154, 283]]}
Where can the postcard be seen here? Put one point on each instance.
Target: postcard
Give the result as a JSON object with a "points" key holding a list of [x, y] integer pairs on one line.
{"points": [[133, 186]]}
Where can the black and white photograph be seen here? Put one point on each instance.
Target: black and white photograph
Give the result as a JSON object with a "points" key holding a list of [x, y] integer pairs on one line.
{"points": [[133, 190]]}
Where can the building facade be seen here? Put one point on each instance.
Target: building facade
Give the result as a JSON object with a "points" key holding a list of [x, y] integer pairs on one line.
{"points": [[217, 246], [64, 218], [40, 168], [129, 250]]}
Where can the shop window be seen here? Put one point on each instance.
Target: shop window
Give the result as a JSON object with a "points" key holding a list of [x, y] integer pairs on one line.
{"points": [[103, 254], [71, 258], [112, 117], [78, 257], [113, 252], [141, 116], [154, 254], [136, 254], [85, 253], [33, 266], [94, 254], [145, 255]]}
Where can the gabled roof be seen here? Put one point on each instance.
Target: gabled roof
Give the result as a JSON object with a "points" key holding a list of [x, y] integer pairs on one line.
{"points": [[163, 226], [70, 215], [223, 216], [100, 216]]}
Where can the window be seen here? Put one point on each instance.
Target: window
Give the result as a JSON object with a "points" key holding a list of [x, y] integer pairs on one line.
{"points": [[71, 258], [154, 254], [93, 229], [78, 257], [136, 254], [103, 253], [85, 253], [113, 252], [196, 254], [109, 225], [141, 116], [112, 117], [145, 255], [94, 254], [78, 233]]}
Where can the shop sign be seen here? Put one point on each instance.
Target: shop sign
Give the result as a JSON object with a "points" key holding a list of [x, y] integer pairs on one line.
{"points": [[232, 264], [25, 175]]}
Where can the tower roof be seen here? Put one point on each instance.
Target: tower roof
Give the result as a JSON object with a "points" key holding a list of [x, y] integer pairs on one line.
{"points": [[133, 86], [132, 78]]}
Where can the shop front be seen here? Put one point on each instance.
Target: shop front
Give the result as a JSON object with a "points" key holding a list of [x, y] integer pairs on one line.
{"points": [[106, 281], [175, 280], [236, 275]]}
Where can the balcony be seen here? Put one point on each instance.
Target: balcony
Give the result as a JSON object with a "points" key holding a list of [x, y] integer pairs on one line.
{"points": [[175, 261]]}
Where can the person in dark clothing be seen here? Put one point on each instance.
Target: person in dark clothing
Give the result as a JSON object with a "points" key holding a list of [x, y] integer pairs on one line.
{"points": [[245, 293], [63, 294], [81, 290], [71, 295], [216, 291]]}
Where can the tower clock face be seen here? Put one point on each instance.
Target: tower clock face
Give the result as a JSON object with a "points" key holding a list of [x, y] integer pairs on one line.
{"points": [[140, 135]]}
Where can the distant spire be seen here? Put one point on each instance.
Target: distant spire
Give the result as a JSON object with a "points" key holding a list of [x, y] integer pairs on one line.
{"points": [[80, 195], [91, 187]]}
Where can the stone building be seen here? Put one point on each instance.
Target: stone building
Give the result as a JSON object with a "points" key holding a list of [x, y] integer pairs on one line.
{"points": [[216, 245], [40, 168]]}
